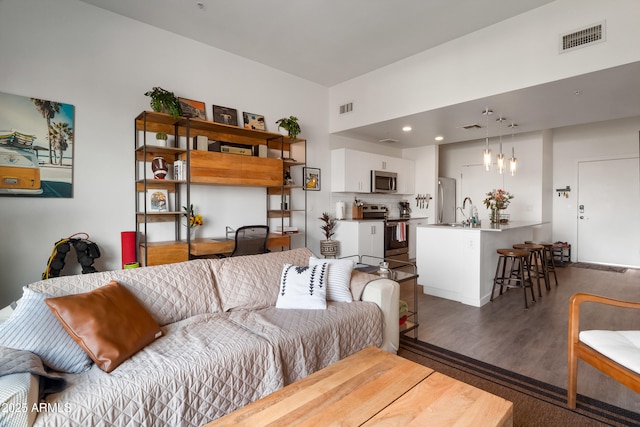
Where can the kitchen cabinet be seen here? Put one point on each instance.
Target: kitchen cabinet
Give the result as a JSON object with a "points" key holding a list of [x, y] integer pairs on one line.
{"points": [[204, 168], [414, 223], [365, 237], [405, 169], [351, 171]]}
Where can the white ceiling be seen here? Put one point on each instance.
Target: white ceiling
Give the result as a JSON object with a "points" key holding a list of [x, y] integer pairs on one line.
{"points": [[331, 41]]}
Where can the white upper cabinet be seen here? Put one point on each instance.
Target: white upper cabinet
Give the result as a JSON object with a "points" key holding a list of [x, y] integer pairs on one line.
{"points": [[406, 173], [351, 171]]}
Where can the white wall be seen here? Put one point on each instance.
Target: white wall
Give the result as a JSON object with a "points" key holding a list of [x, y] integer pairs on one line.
{"points": [[516, 53], [102, 63], [463, 162], [596, 141]]}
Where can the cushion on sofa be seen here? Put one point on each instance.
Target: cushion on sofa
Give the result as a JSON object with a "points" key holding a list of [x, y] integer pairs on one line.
{"points": [[338, 279], [170, 292], [108, 323], [303, 287], [33, 327], [251, 282]]}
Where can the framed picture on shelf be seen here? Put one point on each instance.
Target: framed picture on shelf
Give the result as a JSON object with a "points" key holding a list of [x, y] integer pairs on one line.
{"points": [[253, 121], [157, 200], [311, 178], [193, 109], [224, 115]]}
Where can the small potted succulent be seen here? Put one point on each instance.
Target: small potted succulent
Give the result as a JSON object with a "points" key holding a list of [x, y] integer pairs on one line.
{"points": [[161, 139], [163, 101], [290, 125], [328, 247]]}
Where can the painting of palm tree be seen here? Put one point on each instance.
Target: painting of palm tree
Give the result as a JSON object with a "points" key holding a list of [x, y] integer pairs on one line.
{"points": [[36, 147]]}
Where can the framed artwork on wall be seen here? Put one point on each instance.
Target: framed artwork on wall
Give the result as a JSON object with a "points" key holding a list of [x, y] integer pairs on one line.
{"points": [[311, 179], [193, 109], [253, 121], [37, 137], [157, 200], [225, 115]]}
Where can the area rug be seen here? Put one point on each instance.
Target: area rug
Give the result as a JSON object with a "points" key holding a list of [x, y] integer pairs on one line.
{"points": [[535, 403], [599, 267]]}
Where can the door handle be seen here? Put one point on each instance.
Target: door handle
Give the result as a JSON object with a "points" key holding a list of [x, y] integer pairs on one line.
{"points": [[581, 217]]}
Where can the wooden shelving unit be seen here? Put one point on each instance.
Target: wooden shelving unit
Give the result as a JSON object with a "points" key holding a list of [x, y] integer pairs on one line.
{"points": [[209, 168], [287, 202]]}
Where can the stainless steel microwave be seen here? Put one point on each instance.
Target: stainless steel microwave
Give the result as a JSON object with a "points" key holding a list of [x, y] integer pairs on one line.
{"points": [[383, 182]]}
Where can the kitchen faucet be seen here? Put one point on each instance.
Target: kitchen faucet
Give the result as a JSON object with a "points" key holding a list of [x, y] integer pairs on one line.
{"points": [[464, 202], [467, 218]]}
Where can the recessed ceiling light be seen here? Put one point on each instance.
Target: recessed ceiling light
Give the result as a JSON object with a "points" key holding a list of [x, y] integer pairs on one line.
{"points": [[406, 128], [439, 138]]}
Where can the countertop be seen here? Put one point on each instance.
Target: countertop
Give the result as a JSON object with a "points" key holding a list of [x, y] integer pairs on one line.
{"points": [[381, 219], [487, 226]]}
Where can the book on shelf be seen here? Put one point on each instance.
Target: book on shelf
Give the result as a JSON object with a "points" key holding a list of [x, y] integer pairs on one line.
{"points": [[285, 230]]}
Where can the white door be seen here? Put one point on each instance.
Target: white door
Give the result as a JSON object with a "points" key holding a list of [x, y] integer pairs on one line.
{"points": [[609, 212]]}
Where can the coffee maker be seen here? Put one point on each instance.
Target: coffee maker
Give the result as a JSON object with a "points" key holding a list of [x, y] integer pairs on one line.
{"points": [[405, 210]]}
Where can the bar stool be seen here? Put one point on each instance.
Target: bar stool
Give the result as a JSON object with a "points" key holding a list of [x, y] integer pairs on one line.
{"points": [[518, 259], [549, 263], [535, 263]]}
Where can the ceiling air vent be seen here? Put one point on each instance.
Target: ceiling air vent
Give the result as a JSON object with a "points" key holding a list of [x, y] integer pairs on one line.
{"points": [[583, 37], [388, 141], [473, 126], [346, 108]]}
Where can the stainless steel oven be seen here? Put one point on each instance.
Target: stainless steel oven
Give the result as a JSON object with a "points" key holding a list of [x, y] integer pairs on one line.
{"points": [[396, 241]]}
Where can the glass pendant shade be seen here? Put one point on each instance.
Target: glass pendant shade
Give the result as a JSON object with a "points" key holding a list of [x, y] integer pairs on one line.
{"points": [[486, 153], [513, 163], [500, 162]]}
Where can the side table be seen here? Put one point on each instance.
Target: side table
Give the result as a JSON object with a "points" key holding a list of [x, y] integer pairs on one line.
{"points": [[370, 264]]}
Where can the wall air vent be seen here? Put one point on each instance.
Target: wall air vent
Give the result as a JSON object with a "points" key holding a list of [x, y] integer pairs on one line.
{"points": [[583, 37], [471, 127], [346, 108]]}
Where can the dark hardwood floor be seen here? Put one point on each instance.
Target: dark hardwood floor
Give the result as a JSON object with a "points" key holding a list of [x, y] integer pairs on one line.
{"points": [[533, 342]]}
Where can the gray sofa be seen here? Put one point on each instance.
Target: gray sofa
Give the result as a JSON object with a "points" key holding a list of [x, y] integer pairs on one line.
{"points": [[224, 342]]}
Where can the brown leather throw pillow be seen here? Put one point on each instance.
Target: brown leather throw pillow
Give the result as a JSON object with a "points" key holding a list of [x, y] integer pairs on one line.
{"points": [[108, 323]]}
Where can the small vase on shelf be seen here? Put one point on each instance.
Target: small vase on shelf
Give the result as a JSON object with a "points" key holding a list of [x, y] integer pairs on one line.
{"points": [[192, 233]]}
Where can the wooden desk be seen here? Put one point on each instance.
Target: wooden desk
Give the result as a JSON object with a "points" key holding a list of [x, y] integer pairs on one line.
{"points": [[370, 388], [222, 245]]}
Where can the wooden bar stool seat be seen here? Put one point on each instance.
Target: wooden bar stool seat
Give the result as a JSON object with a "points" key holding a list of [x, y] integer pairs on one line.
{"points": [[515, 278], [535, 263], [549, 263]]}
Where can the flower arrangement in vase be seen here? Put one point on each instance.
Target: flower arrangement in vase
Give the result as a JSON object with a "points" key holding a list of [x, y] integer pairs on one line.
{"points": [[497, 200], [194, 220]]}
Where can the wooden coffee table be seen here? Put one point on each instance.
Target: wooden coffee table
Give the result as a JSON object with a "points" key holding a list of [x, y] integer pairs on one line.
{"points": [[373, 387]]}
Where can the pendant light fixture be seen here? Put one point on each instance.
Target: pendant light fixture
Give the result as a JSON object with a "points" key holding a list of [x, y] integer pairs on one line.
{"points": [[513, 161], [486, 153], [500, 158]]}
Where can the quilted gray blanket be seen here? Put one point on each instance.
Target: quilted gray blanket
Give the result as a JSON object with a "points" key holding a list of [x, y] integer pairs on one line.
{"points": [[14, 361]]}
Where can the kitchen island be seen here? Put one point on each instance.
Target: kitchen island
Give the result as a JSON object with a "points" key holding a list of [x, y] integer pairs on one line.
{"points": [[458, 263]]}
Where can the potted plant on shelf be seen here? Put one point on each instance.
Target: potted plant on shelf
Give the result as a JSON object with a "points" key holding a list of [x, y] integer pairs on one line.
{"points": [[328, 247], [161, 139], [163, 101], [291, 125]]}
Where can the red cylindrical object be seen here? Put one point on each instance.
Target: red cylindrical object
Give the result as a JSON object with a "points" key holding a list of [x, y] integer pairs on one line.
{"points": [[128, 247]]}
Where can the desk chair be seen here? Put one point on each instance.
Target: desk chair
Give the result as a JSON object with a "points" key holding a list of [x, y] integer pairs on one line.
{"points": [[251, 240]]}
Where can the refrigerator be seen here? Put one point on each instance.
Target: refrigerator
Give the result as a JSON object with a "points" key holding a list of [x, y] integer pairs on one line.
{"points": [[446, 200]]}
